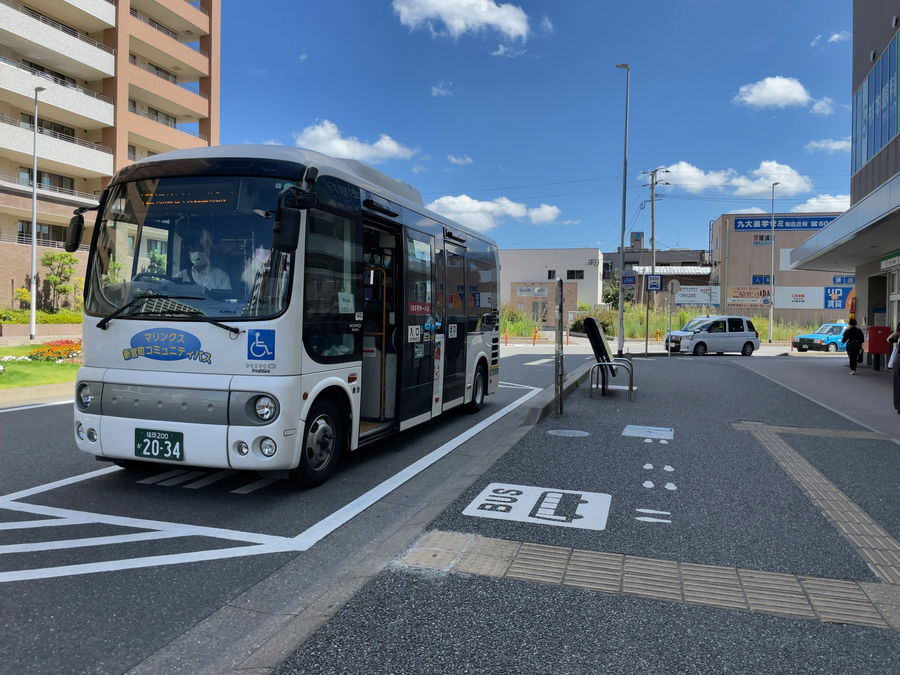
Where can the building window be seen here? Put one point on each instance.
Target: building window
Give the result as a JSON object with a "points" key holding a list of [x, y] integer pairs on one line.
{"points": [[876, 109], [132, 153], [45, 125], [574, 274], [45, 233], [50, 180], [59, 78], [607, 271], [161, 117], [155, 245], [551, 275]]}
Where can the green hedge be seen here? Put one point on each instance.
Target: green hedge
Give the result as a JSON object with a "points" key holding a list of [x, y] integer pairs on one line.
{"points": [[23, 316]]}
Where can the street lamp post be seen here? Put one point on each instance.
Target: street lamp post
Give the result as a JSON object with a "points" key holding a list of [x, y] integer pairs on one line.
{"points": [[34, 179], [772, 271], [621, 330]]}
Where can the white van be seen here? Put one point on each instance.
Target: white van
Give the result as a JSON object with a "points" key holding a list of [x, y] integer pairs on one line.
{"points": [[721, 334]]}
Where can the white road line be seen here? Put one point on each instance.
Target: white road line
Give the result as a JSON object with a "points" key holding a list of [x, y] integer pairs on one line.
{"points": [[137, 563], [329, 524], [142, 524], [161, 476], [253, 487], [190, 475], [539, 362], [513, 385], [50, 522], [57, 484], [209, 480], [89, 541], [36, 405]]}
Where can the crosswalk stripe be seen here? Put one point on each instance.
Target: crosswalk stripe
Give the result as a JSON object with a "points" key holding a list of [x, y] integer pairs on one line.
{"points": [[150, 480], [190, 475]]}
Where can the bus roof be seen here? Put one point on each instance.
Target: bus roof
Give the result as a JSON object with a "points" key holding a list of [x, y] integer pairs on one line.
{"points": [[351, 170]]}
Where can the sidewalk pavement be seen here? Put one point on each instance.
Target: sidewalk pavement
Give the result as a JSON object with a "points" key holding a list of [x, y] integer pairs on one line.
{"points": [[732, 518]]}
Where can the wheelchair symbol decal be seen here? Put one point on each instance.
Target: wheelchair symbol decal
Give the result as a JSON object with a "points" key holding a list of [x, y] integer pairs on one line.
{"points": [[261, 345]]}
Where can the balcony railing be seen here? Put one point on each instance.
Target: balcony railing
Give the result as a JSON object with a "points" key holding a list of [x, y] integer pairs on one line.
{"points": [[63, 83], [163, 29], [41, 241], [177, 127], [192, 87], [52, 188], [63, 137], [57, 25]]}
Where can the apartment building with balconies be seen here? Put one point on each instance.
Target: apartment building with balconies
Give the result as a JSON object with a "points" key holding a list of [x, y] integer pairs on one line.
{"points": [[112, 81]]}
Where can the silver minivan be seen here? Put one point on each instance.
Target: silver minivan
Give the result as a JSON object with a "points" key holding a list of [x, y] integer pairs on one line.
{"points": [[721, 334]]}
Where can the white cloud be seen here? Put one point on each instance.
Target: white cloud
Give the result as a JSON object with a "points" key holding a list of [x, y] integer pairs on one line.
{"points": [[459, 17], [759, 183], [776, 92], [326, 137], [486, 215], [570, 222], [418, 168], [543, 214], [303, 56], [824, 203], [547, 25], [442, 89], [752, 209], [460, 160], [816, 40], [840, 36], [824, 106], [829, 145], [688, 177], [508, 52]]}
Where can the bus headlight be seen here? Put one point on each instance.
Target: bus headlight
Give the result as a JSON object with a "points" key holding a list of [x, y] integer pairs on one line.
{"points": [[267, 447], [92, 435], [79, 431], [85, 395], [242, 448], [265, 408]]}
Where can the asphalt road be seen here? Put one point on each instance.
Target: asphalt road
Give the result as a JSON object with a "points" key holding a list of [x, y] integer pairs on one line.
{"points": [[105, 570]]}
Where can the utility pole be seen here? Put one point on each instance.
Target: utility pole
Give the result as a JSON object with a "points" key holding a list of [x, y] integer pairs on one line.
{"points": [[653, 184]]}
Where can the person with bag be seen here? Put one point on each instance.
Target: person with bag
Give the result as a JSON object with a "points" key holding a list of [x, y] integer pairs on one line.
{"points": [[894, 364], [853, 337]]}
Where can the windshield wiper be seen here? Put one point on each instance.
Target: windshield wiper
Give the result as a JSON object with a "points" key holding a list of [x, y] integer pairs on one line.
{"points": [[104, 322], [193, 313]]}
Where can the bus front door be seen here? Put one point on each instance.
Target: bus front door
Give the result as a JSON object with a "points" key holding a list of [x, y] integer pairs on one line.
{"points": [[417, 355]]}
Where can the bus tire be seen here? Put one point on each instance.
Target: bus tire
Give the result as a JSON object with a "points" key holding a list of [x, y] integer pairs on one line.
{"points": [[479, 387], [324, 438]]}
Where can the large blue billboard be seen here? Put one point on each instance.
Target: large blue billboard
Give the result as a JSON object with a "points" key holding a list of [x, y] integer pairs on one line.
{"points": [[781, 223]]}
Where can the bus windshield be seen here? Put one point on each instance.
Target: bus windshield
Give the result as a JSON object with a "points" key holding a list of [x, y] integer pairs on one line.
{"points": [[189, 248]]}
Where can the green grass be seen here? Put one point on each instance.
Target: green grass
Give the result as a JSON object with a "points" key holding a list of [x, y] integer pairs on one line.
{"points": [[33, 373]]}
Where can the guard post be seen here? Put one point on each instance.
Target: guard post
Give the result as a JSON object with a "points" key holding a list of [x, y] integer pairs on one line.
{"points": [[559, 369]]}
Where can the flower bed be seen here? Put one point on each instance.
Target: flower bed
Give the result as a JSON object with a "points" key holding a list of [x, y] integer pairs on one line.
{"points": [[57, 351]]}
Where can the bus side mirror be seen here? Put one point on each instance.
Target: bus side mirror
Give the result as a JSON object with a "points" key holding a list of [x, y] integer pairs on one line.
{"points": [[74, 233], [291, 203]]}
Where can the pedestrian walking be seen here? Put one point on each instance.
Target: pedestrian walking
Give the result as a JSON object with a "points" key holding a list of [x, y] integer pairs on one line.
{"points": [[894, 364], [853, 337]]}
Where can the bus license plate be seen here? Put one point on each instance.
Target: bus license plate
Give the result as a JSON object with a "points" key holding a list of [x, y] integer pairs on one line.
{"points": [[153, 444]]}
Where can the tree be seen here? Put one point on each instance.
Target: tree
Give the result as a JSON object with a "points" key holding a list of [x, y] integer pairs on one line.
{"points": [[62, 268], [23, 297], [157, 263]]}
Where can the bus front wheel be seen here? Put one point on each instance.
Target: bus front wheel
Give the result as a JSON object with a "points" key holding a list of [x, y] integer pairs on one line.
{"points": [[324, 438]]}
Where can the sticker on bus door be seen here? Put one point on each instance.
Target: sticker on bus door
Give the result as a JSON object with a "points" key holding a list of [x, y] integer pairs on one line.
{"points": [[438, 389]]}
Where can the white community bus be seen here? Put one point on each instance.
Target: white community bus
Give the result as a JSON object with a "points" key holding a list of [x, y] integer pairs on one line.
{"points": [[267, 308]]}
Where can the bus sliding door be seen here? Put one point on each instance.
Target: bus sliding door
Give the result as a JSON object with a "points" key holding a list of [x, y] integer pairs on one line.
{"points": [[455, 326], [417, 354]]}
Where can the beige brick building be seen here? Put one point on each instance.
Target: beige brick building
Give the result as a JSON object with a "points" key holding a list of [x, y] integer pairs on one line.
{"points": [[113, 82]]}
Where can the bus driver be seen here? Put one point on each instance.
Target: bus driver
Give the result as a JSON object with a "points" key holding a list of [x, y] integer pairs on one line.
{"points": [[201, 271]]}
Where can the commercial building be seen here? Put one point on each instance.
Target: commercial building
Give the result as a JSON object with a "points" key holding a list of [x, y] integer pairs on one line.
{"points": [[528, 279], [741, 253], [112, 82], [865, 241]]}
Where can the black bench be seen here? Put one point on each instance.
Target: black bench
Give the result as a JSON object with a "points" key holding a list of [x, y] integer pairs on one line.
{"points": [[606, 364]]}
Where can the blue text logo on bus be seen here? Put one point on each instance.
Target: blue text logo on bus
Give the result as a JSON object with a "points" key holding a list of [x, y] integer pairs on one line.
{"points": [[260, 345], [166, 344]]}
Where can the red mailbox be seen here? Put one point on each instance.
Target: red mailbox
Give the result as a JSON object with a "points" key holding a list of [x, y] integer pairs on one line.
{"points": [[876, 340]]}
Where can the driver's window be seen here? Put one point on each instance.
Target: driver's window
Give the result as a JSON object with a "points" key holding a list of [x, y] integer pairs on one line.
{"points": [[716, 327]]}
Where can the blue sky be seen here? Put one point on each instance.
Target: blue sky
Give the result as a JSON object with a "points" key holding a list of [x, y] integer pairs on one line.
{"points": [[509, 117]]}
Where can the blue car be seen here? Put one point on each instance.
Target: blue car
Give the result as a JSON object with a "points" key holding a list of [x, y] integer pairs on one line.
{"points": [[826, 338]]}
